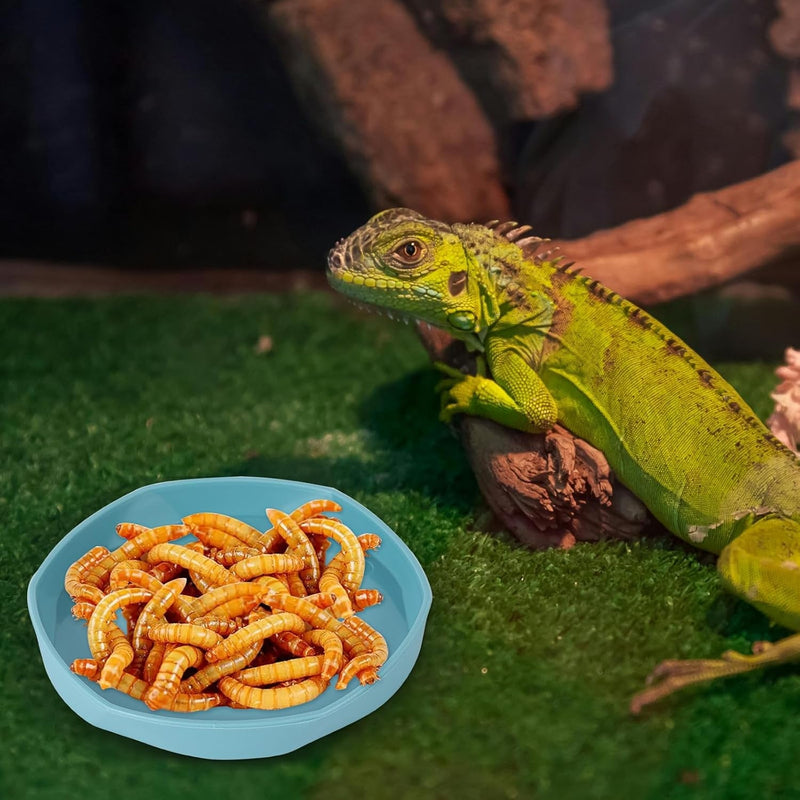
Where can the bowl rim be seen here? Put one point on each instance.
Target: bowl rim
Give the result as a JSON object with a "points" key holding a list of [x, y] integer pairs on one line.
{"points": [[190, 721]]}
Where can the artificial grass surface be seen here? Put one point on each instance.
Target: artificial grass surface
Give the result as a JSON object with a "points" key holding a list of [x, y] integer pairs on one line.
{"points": [[529, 658]]}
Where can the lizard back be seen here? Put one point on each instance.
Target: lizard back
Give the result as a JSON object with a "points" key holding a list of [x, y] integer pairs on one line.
{"points": [[668, 423]]}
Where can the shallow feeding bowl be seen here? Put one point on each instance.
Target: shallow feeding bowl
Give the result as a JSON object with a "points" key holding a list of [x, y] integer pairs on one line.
{"points": [[223, 732]]}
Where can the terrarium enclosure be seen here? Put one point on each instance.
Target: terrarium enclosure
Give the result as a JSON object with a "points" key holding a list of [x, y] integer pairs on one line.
{"points": [[173, 174]]}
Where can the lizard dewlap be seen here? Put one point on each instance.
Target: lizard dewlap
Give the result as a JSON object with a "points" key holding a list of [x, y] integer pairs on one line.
{"points": [[560, 346]]}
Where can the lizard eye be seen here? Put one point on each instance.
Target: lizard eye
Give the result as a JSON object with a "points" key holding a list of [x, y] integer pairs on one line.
{"points": [[409, 253]]}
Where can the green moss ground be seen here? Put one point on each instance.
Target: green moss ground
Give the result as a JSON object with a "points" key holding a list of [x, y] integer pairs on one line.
{"points": [[529, 659]]}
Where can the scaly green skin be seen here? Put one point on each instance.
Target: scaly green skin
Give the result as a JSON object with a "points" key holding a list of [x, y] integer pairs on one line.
{"points": [[563, 347]]}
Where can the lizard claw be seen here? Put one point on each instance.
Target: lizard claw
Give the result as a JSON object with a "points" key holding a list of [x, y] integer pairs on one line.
{"points": [[457, 395], [455, 391], [669, 676], [450, 407]]}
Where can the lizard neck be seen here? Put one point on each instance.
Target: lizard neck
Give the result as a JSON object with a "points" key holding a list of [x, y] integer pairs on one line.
{"points": [[520, 299], [499, 272]]}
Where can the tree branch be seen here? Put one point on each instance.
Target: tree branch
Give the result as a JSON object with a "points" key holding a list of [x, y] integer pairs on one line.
{"points": [[713, 238]]}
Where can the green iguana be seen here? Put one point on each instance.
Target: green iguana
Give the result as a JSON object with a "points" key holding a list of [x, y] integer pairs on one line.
{"points": [[560, 346]]}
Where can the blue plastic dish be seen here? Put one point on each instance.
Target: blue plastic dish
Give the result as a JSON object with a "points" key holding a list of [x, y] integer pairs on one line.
{"points": [[226, 733]]}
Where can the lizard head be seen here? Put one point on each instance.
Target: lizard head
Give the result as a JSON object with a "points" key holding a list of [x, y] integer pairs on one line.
{"points": [[410, 266]]}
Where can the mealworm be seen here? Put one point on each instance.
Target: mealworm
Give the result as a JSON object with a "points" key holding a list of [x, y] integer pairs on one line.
{"points": [[165, 571], [295, 584], [211, 673], [321, 545], [182, 701], [280, 671], [260, 629], [235, 527], [214, 537], [316, 618], [378, 654], [364, 598], [131, 616], [153, 661], [369, 541], [121, 656], [185, 633], [168, 680], [73, 580], [298, 542], [351, 553], [237, 607], [97, 631], [330, 581], [148, 581], [161, 600], [221, 625], [277, 582], [372, 638], [314, 507], [274, 698], [128, 530], [191, 560], [134, 548], [88, 667], [266, 564], [291, 643], [122, 575], [222, 594], [83, 610], [235, 554], [321, 599], [119, 575], [200, 582], [332, 650]]}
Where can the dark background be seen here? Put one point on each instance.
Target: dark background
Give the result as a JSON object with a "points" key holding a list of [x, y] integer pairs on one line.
{"points": [[170, 133]]}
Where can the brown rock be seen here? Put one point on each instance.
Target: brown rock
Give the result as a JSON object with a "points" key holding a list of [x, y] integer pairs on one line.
{"points": [[526, 59], [410, 128], [784, 32], [784, 35], [698, 103], [791, 141], [793, 89]]}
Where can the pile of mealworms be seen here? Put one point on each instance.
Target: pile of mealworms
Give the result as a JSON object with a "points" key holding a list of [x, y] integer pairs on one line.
{"points": [[233, 616]]}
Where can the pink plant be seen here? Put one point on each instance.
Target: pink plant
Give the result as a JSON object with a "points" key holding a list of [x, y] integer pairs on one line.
{"points": [[785, 420]]}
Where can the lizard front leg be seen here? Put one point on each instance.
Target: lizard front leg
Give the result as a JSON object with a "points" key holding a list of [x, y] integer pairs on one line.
{"points": [[762, 566], [530, 408]]}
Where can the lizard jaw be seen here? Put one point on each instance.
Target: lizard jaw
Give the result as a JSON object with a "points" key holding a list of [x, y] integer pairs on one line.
{"points": [[385, 312]]}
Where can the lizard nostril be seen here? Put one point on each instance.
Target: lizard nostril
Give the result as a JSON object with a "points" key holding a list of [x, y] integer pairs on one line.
{"points": [[335, 258]]}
